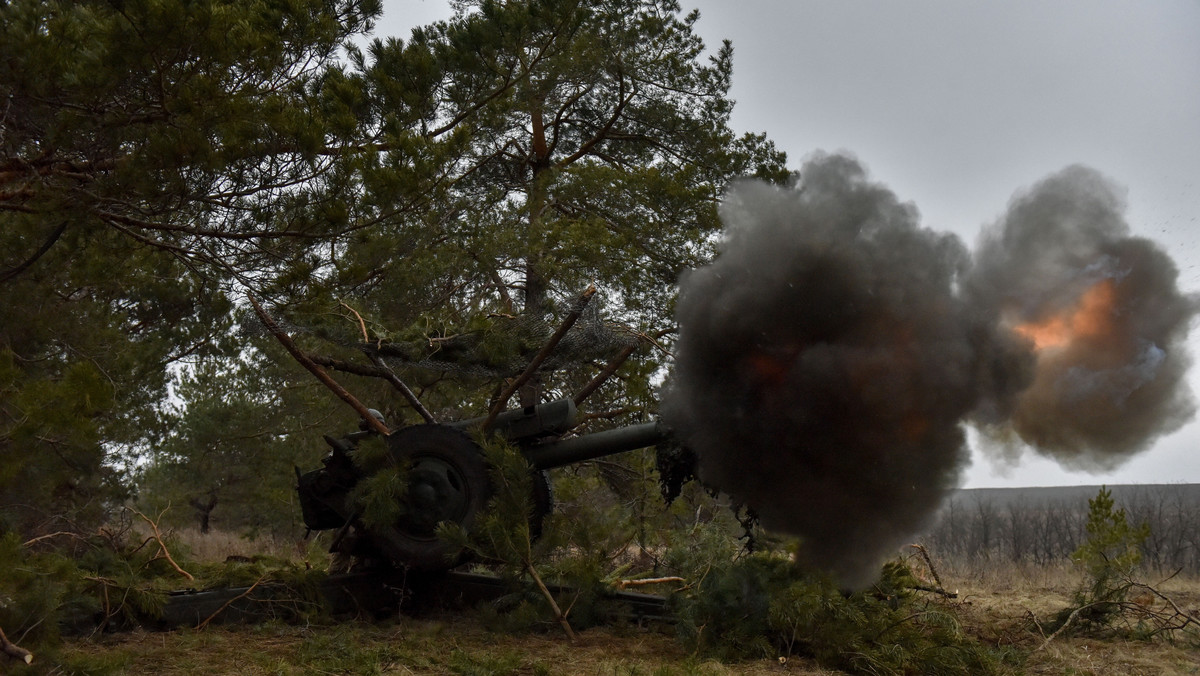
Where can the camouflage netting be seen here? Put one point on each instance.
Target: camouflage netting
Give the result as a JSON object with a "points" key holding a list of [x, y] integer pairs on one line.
{"points": [[499, 346], [507, 344]]}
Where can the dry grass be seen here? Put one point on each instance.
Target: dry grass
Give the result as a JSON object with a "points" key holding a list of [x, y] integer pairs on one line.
{"points": [[216, 546], [448, 645], [1004, 604], [999, 604]]}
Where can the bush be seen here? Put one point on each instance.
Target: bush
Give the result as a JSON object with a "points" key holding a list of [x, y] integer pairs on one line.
{"points": [[1109, 557], [763, 605]]}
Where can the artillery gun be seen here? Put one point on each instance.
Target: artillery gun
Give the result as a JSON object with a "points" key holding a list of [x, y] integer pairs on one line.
{"points": [[448, 479]]}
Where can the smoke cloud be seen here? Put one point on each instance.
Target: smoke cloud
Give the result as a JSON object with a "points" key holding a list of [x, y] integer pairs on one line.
{"points": [[830, 356], [1103, 315]]}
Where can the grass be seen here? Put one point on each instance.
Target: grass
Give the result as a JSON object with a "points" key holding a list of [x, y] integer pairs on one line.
{"points": [[997, 603], [449, 645], [1000, 602]]}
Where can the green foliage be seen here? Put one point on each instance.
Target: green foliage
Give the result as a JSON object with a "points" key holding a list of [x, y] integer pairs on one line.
{"points": [[1112, 552], [111, 579], [599, 161], [241, 428], [1109, 557], [34, 589], [502, 533], [380, 496], [148, 149], [763, 605], [160, 157]]}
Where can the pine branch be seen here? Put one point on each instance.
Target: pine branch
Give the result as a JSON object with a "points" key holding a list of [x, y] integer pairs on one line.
{"points": [[162, 546], [940, 588], [304, 360], [540, 357], [230, 602], [602, 377], [388, 374], [558, 613]]}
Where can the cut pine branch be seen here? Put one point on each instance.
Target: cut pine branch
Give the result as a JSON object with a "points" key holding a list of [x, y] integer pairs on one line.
{"points": [[605, 373], [13, 650], [402, 388], [940, 588], [304, 360], [540, 357], [163, 552], [558, 613], [389, 375]]}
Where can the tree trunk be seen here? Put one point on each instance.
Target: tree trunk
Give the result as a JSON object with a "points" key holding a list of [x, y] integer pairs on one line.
{"points": [[204, 510], [536, 246]]}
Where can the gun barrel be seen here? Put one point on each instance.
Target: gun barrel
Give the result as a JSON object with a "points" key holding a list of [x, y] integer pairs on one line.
{"points": [[597, 445]]}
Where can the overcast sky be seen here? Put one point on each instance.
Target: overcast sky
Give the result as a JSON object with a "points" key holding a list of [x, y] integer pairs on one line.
{"points": [[957, 104]]}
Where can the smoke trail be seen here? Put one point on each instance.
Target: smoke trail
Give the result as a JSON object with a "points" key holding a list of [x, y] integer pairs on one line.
{"points": [[828, 358], [1102, 312]]}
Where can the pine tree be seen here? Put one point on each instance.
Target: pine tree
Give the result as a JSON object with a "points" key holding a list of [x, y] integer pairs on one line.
{"points": [[591, 143], [241, 428], [1109, 557], [150, 152]]}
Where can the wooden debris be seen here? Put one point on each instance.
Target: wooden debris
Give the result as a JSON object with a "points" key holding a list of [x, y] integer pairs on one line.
{"points": [[13, 650]]}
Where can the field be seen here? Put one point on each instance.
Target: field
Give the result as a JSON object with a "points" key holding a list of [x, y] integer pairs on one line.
{"points": [[1009, 573], [997, 604]]}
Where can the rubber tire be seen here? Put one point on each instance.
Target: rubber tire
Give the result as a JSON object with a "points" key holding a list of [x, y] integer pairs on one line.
{"points": [[436, 447], [542, 502]]}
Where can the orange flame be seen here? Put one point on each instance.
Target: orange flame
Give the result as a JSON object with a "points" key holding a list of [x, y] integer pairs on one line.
{"points": [[1091, 318]]}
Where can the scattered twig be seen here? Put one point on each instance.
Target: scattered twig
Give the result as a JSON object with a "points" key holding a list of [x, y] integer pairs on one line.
{"points": [[341, 392], [1070, 618], [1166, 623], [537, 360], [230, 602], [13, 650], [48, 536], [1033, 618], [558, 613], [935, 590], [162, 546], [940, 588], [361, 324]]}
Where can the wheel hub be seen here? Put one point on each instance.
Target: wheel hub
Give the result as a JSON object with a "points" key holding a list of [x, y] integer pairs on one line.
{"points": [[437, 492]]}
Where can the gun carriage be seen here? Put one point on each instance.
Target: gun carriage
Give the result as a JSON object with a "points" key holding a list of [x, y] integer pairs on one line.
{"points": [[448, 479]]}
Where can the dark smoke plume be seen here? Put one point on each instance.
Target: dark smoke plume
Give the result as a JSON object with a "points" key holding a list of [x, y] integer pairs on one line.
{"points": [[828, 358], [1103, 314]]}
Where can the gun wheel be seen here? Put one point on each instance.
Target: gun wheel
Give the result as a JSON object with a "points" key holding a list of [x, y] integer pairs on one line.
{"points": [[447, 482]]}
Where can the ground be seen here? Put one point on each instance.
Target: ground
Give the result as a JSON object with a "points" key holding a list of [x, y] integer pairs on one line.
{"points": [[1002, 605], [460, 644]]}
